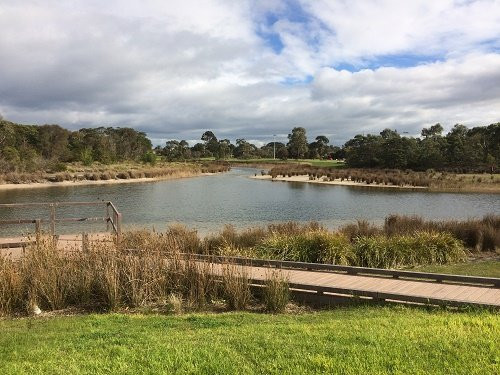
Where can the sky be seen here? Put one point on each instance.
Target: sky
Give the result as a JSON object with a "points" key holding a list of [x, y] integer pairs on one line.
{"points": [[250, 69]]}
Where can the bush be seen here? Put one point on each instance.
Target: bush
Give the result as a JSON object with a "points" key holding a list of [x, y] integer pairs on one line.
{"points": [[149, 157], [315, 247], [408, 250]]}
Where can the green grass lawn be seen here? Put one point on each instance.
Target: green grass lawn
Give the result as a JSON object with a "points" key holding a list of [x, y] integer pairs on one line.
{"points": [[314, 162], [350, 340], [488, 268]]}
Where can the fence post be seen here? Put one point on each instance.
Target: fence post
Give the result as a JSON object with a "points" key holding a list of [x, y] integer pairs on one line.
{"points": [[107, 217], [118, 227]]}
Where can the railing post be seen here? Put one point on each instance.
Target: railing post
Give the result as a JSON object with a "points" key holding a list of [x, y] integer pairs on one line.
{"points": [[118, 228], [107, 217]]}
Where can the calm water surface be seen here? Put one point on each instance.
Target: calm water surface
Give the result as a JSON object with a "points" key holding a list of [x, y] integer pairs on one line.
{"points": [[207, 203]]}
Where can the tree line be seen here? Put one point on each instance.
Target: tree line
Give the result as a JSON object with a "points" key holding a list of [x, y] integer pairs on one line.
{"points": [[28, 148], [461, 149], [31, 147], [296, 148]]}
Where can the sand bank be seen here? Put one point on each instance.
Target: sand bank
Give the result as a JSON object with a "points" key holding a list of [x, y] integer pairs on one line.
{"points": [[305, 178], [47, 184]]}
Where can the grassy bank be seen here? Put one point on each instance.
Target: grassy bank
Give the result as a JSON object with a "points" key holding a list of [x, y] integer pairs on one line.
{"points": [[113, 172], [352, 340], [435, 181], [486, 268], [264, 163]]}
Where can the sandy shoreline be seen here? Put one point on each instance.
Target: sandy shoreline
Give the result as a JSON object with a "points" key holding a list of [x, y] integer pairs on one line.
{"points": [[305, 179], [35, 185]]}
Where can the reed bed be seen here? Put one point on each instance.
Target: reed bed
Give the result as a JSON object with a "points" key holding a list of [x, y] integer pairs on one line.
{"points": [[389, 177], [116, 172], [147, 269], [106, 277]]}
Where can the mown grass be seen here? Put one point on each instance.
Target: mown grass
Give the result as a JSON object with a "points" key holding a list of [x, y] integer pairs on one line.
{"points": [[487, 268], [353, 340], [304, 162]]}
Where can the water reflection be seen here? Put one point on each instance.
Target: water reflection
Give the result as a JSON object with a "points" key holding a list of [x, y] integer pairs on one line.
{"points": [[209, 202]]}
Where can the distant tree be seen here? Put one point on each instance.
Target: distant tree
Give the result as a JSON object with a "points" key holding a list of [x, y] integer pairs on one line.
{"points": [[211, 143], [434, 130], [175, 150], [456, 142], [363, 151], [200, 151], [319, 148], [282, 153], [244, 149], [53, 142], [389, 133], [297, 143], [224, 149]]}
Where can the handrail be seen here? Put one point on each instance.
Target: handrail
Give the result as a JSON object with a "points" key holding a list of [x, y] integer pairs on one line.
{"points": [[114, 217], [351, 270]]}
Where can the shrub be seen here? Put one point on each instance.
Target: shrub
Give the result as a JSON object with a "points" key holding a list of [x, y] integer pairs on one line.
{"points": [[317, 246], [408, 250]]}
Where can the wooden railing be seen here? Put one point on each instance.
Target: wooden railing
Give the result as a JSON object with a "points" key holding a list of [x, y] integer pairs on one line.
{"points": [[112, 218], [351, 270]]}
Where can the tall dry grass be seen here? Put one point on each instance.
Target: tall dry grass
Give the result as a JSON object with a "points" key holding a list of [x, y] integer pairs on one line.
{"points": [[108, 277], [276, 293], [115, 172]]}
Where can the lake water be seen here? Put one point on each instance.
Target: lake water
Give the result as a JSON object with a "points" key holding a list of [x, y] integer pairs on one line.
{"points": [[207, 203]]}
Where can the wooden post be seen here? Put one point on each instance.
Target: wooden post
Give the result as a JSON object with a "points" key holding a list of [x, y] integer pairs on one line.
{"points": [[118, 227], [107, 217]]}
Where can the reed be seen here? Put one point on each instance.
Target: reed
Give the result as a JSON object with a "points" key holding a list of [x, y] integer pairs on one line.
{"points": [[236, 286], [109, 277], [408, 250], [391, 177], [317, 246], [276, 293], [476, 234]]}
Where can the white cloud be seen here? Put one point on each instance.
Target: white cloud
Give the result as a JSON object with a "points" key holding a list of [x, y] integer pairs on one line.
{"points": [[177, 69]]}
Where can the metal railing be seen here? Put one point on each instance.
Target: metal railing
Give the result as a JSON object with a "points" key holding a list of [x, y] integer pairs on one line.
{"points": [[112, 218]]}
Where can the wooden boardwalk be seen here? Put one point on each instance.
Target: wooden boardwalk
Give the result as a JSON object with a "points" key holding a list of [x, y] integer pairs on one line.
{"points": [[454, 290], [332, 281]]}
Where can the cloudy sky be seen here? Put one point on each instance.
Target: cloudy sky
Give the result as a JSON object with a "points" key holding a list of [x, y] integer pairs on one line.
{"points": [[250, 69]]}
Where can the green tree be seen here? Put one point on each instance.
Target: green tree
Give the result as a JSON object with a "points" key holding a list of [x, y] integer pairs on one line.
{"points": [[297, 143], [244, 150], [211, 142], [434, 130]]}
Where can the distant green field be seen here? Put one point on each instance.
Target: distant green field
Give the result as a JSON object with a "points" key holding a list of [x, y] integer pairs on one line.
{"points": [[352, 340], [490, 268], [314, 162]]}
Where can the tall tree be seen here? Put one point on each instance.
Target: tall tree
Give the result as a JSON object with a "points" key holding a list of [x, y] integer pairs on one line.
{"points": [[297, 143], [211, 143]]}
